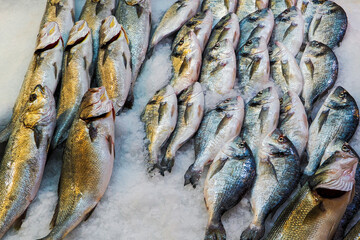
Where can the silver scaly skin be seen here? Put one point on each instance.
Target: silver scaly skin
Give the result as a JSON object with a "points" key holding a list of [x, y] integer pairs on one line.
{"points": [[159, 117], [246, 7], [63, 13], [219, 8], [174, 18], [44, 69], [219, 126], [229, 177], [354, 233], [75, 79], [191, 111], [135, 17], [113, 69], [22, 166], [278, 6]]}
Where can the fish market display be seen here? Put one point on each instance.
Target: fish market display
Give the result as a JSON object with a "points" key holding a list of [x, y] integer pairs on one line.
{"points": [[113, 69], [245, 7], [190, 114], [159, 117], [219, 8], [75, 79], [230, 176], [87, 163], [174, 18], [44, 69], [219, 126], [278, 6], [22, 166]]}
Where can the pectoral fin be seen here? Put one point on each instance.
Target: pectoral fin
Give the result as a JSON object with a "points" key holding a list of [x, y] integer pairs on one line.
{"points": [[187, 114], [224, 122], [38, 136], [162, 110], [263, 117], [323, 117], [19, 221]]}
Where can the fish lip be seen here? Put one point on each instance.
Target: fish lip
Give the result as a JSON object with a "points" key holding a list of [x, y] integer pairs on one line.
{"points": [[79, 32], [110, 31]]}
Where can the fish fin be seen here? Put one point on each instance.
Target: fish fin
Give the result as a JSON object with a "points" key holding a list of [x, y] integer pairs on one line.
{"points": [[287, 117], [313, 213], [5, 133], [304, 6], [323, 117], [185, 64], [256, 30], [181, 4], [188, 112], [223, 123], [99, 7], [215, 230], [85, 63], [253, 232], [111, 144], [262, 116], [192, 176], [196, 30], [125, 60], [292, 26], [106, 55], [38, 136], [89, 214], [227, 4], [55, 70], [92, 132], [285, 71], [162, 110], [254, 66], [310, 66], [139, 10], [218, 165], [72, 16], [58, 8], [167, 163], [317, 23], [56, 213], [273, 169], [18, 222]]}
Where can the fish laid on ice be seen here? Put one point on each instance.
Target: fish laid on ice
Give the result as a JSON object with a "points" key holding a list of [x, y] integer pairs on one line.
{"points": [[246, 7], [219, 8]]}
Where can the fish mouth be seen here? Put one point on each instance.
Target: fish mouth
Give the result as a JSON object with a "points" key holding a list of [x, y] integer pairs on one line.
{"points": [[48, 38], [78, 34]]}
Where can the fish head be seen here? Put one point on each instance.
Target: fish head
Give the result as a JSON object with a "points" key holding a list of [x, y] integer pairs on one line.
{"points": [[316, 49], [288, 15], [191, 92], [221, 49], [340, 146], [264, 96], [184, 44], [238, 149], [49, 37], [230, 104], [111, 30], [133, 2], [276, 144], [95, 104], [327, 8], [253, 46], [340, 98], [79, 32], [198, 18], [223, 22], [162, 94], [278, 52]]}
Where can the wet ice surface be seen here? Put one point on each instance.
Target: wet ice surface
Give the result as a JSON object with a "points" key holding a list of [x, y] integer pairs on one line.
{"points": [[135, 205]]}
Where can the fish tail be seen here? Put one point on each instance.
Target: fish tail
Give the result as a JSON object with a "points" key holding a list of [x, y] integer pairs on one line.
{"points": [[167, 162], [192, 176], [215, 230], [5, 133], [253, 232]]}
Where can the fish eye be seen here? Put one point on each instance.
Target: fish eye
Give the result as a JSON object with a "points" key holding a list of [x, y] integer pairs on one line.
{"points": [[270, 51], [248, 43], [227, 100], [260, 93], [345, 148], [217, 45], [33, 97], [181, 42], [342, 94], [241, 145], [281, 139], [281, 100]]}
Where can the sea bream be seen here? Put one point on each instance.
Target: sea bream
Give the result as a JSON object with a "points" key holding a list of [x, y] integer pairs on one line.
{"points": [[246, 7], [87, 163], [23, 164], [278, 6], [219, 8], [113, 69], [44, 69], [219, 126], [75, 79]]}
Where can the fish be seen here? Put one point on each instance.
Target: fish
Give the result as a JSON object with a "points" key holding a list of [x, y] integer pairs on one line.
{"points": [[293, 121], [319, 67], [159, 117], [75, 79], [219, 126], [284, 69], [44, 69], [261, 117], [219, 8], [277, 175], [94, 12], [257, 24], [87, 163], [113, 69], [135, 17], [174, 18], [186, 58], [337, 118], [63, 13], [354, 232], [253, 66], [227, 28], [328, 25], [190, 113], [316, 209], [200, 24], [230, 176], [246, 7], [278, 6], [218, 72], [22, 166], [289, 29]]}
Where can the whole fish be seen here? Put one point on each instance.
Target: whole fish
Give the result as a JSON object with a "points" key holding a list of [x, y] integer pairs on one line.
{"points": [[94, 12], [337, 118], [159, 117], [277, 174], [174, 18], [261, 117], [218, 70], [87, 163], [63, 13], [75, 79], [278, 6], [315, 211], [285, 70], [328, 25], [319, 67], [186, 58], [190, 114], [219, 126], [230, 176], [289, 29], [257, 24], [293, 121], [44, 69], [253, 66], [200, 24], [113, 69], [246, 7], [135, 17], [227, 28], [354, 233], [22, 166], [219, 8]]}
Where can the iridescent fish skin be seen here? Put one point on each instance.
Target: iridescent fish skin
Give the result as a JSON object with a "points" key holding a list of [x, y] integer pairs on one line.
{"points": [[245, 7], [278, 6], [219, 8], [354, 233]]}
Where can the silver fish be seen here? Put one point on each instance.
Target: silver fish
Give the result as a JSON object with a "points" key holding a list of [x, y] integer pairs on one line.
{"points": [[328, 25], [278, 6], [218, 71], [219, 8], [22, 166], [159, 117], [75, 79], [230, 176], [245, 7], [174, 18], [44, 69], [113, 69], [191, 111], [219, 126]]}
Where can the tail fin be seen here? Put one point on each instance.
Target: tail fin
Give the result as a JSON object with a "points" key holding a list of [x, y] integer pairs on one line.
{"points": [[192, 176], [5, 133], [253, 232], [167, 163], [215, 230]]}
